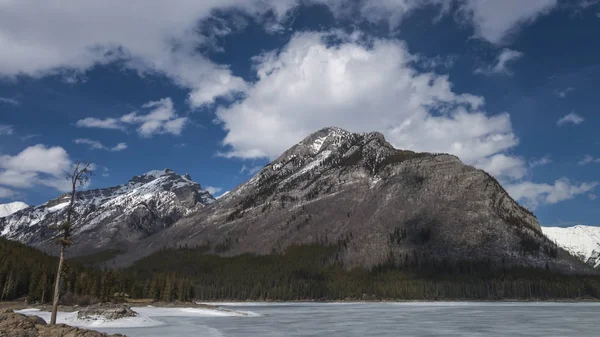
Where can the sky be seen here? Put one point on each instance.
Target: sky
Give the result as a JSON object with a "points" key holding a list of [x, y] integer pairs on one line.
{"points": [[218, 88]]}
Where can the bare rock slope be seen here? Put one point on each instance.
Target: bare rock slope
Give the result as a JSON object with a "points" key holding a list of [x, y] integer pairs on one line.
{"points": [[380, 202]]}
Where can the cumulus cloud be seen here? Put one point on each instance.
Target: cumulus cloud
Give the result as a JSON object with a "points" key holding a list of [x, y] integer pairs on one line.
{"points": [[589, 160], [501, 67], [149, 37], [496, 21], [10, 101], [363, 85], [6, 130], [36, 165], [570, 118], [96, 145], [533, 194], [160, 37], [212, 190], [161, 119]]}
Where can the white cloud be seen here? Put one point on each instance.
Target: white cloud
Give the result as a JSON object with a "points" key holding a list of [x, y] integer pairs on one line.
{"points": [[10, 101], [150, 37], [107, 123], [589, 160], [503, 166], [162, 37], [363, 86], [496, 21], [570, 118], [212, 190], [36, 165], [6, 130], [6, 193], [592, 196], [250, 170], [501, 67], [533, 194], [540, 162], [96, 145], [105, 171], [492, 20], [563, 93], [161, 119]]}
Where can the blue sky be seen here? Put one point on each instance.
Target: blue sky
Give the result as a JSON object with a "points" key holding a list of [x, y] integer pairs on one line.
{"points": [[219, 88]]}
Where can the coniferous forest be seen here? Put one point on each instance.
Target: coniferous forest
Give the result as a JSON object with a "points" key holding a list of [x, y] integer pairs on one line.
{"points": [[300, 273]]}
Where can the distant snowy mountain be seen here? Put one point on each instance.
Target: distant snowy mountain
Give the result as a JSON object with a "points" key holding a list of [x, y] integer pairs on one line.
{"points": [[581, 241], [111, 217], [10, 208]]}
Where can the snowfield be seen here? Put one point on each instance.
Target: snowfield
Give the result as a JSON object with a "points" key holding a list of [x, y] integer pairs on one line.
{"points": [[146, 317]]}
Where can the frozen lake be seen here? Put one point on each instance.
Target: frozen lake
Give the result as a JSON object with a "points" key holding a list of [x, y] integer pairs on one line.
{"points": [[373, 319]]}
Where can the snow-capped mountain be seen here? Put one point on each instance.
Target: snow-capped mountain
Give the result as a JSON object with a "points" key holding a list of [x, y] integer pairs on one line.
{"points": [[12, 207], [383, 203], [581, 241], [109, 217]]}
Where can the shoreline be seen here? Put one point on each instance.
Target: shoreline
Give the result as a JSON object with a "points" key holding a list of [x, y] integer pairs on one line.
{"points": [[214, 305]]}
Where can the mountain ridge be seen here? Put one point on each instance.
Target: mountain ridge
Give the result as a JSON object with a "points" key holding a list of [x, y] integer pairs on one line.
{"points": [[11, 207], [581, 241], [385, 205], [122, 213]]}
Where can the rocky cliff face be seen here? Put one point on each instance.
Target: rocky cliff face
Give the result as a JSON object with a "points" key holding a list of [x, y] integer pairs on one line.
{"points": [[111, 217], [382, 203]]}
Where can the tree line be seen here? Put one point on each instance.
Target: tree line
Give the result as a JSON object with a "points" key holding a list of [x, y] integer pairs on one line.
{"points": [[310, 272]]}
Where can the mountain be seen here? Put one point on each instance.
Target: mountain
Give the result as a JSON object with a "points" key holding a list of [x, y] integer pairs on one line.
{"points": [[581, 241], [10, 208], [111, 217], [382, 205]]}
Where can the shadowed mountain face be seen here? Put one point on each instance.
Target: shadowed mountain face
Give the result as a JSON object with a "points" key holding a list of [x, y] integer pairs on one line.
{"points": [[383, 205]]}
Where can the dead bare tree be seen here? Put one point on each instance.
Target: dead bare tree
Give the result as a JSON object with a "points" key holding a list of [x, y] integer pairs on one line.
{"points": [[80, 176]]}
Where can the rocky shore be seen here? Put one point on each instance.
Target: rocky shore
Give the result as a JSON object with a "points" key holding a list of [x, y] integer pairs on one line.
{"points": [[19, 325]]}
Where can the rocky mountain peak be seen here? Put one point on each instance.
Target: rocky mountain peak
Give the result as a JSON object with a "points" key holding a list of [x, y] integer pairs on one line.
{"points": [[12, 207], [144, 205]]}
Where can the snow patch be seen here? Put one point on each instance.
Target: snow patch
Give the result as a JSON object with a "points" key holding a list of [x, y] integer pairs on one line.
{"points": [[146, 316], [58, 207], [12, 207]]}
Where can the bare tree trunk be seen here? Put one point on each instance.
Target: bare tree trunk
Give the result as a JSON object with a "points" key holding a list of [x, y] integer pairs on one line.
{"points": [[57, 286]]}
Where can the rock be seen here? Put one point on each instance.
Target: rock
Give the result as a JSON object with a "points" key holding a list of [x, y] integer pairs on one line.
{"points": [[19, 325], [37, 320], [108, 311]]}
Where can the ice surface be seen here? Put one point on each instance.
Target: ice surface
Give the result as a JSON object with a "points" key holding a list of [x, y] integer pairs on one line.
{"points": [[146, 316], [386, 319]]}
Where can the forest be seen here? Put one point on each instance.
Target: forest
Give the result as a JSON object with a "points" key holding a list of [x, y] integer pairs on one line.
{"points": [[310, 272]]}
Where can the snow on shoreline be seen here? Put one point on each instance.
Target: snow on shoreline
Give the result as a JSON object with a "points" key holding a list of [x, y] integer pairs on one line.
{"points": [[146, 316]]}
